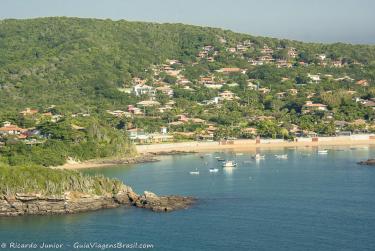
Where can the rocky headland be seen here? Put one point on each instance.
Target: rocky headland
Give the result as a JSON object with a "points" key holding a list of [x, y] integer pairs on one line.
{"points": [[75, 202]]}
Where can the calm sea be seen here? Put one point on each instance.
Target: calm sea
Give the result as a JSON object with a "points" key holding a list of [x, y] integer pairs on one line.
{"points": [[307, 202]]}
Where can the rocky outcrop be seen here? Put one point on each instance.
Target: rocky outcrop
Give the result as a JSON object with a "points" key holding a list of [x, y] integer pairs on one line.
{"points": [[369, 162], [74, 202]]}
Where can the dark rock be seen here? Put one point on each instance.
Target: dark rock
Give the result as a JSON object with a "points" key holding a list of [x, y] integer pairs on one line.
{"points": [[369, 162], [74, 202]]}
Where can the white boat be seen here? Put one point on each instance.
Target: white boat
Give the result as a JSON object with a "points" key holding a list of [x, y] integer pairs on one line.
{"points": [[258, 156], [213, 170], [196, 172], [281, 156], [229, 163], [323, 152]]}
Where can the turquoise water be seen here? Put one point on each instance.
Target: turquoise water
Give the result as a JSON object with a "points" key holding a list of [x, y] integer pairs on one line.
{"points": [[308, 202]]}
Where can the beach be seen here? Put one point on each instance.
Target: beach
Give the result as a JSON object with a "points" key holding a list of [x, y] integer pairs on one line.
{"points": [[251, 145], [147, 153]]}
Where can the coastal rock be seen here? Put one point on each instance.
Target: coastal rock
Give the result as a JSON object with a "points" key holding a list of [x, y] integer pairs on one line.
{"points": [[369, 162], [75, 202], [163, 203]]}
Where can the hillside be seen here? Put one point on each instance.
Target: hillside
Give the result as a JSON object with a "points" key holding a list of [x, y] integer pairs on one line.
{"points": [[73, 62], [83, 88]]}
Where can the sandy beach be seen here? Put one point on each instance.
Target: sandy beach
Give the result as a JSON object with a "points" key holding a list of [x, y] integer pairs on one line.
{"points": [[251, 145], [148, 152]]}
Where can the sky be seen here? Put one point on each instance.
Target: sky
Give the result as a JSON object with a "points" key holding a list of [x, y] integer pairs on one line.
{"points": [[350, 21]]}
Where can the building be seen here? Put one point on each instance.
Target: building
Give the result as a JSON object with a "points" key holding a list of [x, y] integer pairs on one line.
{"points": [[310, 107], [231, 70], [29, 112], [9, 129], [148, 103], [314, 78], [143, 89], [166, 90], [227, 96], [362, 82]]}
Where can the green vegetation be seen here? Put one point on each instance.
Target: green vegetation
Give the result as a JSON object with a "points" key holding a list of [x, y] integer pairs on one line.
{"points": [[46, 181], [81, 74]]}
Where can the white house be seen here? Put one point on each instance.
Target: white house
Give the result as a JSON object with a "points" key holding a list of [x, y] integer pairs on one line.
{"points": [[142, 89]]}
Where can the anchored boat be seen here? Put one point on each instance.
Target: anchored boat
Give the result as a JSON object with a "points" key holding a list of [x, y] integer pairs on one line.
{"points": [[229, 163]]}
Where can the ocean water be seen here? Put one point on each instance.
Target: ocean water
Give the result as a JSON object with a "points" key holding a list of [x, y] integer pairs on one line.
{"points": [[307, 202]]}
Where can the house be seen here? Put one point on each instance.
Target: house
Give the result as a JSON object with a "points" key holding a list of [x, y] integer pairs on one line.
{"points": [[281, 63], [314, 78], [165, 90], [369, 103], [148, 103], [183, 81], [321, 57], [183, 118], [232, 50], [138, 135], [292, 52], [252, 86], [293, 92], [160, 138], [119, 113], [138, 81], [266, 50], [198, 121], [266, 59], [207, 80], [310, 107], [362, 82], [255, 62], [29, 112], [345, 78], [264, 90], [9, 129], [134, 110], [143, 89], [231, 70], [228, 96]]}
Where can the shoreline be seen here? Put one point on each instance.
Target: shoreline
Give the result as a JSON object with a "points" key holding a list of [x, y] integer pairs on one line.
{"points": [[149, 153], [246, 145]]}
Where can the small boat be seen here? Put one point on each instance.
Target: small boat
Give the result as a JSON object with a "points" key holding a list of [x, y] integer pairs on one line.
{"points": [[239, 154], [281, 156], [213, 170], [196, 172], [258, 156], [323, 152], [229, 163], [220, 159]]}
